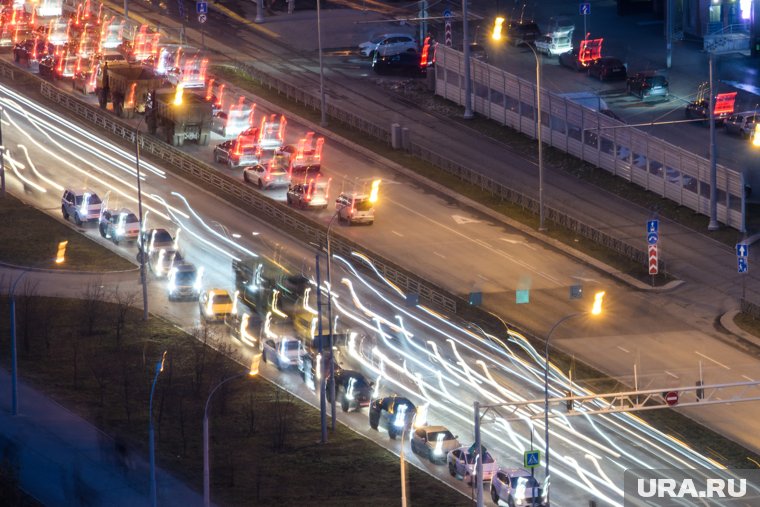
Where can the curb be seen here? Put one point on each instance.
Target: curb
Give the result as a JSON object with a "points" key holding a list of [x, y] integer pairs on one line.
{"points": [[727, 321]]}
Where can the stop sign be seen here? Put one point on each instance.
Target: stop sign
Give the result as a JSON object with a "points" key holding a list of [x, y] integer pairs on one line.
{"points": [[671, 398]]}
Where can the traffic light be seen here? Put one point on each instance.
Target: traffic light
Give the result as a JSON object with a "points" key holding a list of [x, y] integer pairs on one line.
{"points": [[498, 24]]}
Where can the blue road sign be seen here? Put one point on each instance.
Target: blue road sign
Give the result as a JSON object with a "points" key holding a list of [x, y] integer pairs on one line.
{"points": [[653, 226], [531, 459], [576, 291], [585, 9], [742, 250], [447, 14], [201, 8], [743, 265], [652, 238]]}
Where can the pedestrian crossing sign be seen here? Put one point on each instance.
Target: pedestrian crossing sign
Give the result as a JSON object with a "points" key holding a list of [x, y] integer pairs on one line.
{"points": [[531, 459]]}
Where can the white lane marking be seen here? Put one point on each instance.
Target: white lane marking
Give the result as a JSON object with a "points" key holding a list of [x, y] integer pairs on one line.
{"points": [[482, 243], [746, 377], [711, 359], [518, 242], [624, 349], [483, 277], [672, 374], [397, 233], [439, 255], [459, 219]]}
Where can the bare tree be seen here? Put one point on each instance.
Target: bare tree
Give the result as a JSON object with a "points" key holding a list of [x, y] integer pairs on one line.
{"points": [[281, 413], [75, 341], [122, 303], [92, 304], [46, 318], [98, 359], [200, 348]]}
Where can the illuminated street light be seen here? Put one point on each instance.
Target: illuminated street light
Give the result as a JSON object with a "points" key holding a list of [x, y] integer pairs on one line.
{"points": [[373, 191], [498, 25], [756, 136], [61, 257], [596, 309]]}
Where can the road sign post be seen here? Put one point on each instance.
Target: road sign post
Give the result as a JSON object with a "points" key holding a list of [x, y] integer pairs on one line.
{"points": [[584, 9], [447, 26], [653, 236], [653, 261], [201, 8]]}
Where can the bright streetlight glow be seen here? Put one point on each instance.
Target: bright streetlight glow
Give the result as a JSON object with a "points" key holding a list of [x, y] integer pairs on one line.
{"points": [[373, 191], [598, 299], [61, 257], [498, 23]]}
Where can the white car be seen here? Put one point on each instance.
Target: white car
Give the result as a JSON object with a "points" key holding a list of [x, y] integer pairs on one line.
{"points": [[517, 488], [433, 443], [554, 44], [462, 463], [388, 44], [283, 351], [81, 205]]}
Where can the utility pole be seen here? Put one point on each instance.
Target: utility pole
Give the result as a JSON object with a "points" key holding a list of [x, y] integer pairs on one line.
{"points": [[423, 19], [669, 7], [713, 225], [466, 49], [2, 159]]}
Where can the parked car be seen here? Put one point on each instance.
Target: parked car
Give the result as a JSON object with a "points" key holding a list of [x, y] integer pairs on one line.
{"points": [[462, 463], [352, 389], [119, 225], [215, 304], [234, 153], [308, 195], [572, 60], [155, 239], [647, 84], [267, 176], [355, 209], [183, 282], [554, 44], [81, 205], [608, 68], [522, 32], [394, 412], [400, 63], [389, 44], [434, 443], [283, 351], [517, 487], [742, 124]]}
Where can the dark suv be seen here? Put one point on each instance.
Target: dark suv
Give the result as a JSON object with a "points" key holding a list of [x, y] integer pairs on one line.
{"points": [[647, 84], [395, 412], [352, 389], [522, 32]]}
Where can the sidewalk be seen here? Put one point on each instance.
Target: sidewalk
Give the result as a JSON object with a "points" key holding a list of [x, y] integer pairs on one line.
{"points": [[64, 460]]}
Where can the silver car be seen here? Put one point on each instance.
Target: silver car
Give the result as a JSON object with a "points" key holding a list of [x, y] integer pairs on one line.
{"points": [[742, 124], [388, 44]]}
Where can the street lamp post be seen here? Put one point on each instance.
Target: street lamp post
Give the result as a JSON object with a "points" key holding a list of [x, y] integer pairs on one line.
{"points": [[2, 159], [14, 354], [596, 310], [541, 226], [151, 436], [330, 323], [143, 279], [713, 225], [468, 114], [206, 473], [323, 111]]}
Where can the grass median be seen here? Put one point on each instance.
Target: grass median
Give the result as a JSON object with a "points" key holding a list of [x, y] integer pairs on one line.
{"points": [[97, 359], [30, 238]]}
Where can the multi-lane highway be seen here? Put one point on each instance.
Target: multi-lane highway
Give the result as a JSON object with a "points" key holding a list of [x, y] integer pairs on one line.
{"points": [[431, 359]]}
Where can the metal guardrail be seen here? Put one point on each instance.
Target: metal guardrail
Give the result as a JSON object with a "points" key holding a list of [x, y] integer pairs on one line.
{"points": [[254, 201]]}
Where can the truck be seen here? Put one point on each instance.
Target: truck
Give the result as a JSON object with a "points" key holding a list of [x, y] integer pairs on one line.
{"points": [[182, 116], [126, 86]]}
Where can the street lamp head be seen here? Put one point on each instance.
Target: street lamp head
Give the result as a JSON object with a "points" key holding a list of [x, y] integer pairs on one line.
{"points": [[373, 191], [498, 24], [160, 364], [756, 136], [255, 361], [61, 257], [598, 300]]}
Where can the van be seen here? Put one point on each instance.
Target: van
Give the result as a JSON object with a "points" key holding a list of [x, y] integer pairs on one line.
{"points": [[554, 44]]}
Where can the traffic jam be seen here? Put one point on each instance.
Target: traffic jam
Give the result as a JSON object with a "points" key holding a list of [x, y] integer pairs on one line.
{"points": [[409, 368]]}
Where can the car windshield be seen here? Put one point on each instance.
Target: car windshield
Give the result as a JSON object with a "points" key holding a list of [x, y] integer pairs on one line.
{"points": [[656, 80], [132, 218], [162, 237], [524, 482], [440, 435], [222, 299], [487, 459], [292, 345], [93, 199], [363, 205], [185, 277]]}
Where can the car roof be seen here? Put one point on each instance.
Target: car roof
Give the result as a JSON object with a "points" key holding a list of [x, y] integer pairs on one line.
{"points": [[515, 472], [218, 292], [81, 191], [185, 266], [355, 196], [431, 429], [124, 211]]}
